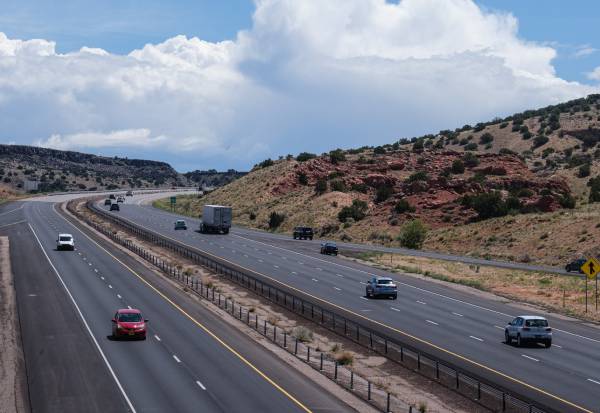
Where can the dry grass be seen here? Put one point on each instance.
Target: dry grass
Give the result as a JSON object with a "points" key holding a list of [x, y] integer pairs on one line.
{"points": [[557, 293]]}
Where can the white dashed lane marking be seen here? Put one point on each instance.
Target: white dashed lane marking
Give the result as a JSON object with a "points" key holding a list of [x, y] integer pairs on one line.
{"points": [[476, 338], [119, 296], [157, 337], [421, 302], [176, 358], [395, 309], [594, 381], [528, 357], [201, 385], [336, 288], [432, 322], [458, 314]]}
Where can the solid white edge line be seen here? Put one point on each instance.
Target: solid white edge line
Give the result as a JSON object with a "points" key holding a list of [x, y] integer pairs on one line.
{"points": [[594, 381], [112, 372]]}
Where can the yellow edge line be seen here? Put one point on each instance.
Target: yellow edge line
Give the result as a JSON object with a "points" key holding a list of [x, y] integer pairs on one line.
{"points": [[461, 357], [202, 326]]}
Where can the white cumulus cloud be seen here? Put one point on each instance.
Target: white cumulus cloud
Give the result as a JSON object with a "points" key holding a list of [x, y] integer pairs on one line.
{"points": [[594, 74], [308, 75]]}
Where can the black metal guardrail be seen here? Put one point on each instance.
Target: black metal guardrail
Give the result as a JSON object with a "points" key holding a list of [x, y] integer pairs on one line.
{"points": [[487, 394]]}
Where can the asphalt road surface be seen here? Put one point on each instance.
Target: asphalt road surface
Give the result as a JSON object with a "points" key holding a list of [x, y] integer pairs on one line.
{"points": [[191, 361], [466, 329]]}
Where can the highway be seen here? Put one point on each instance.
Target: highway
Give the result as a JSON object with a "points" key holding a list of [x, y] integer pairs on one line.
{"points": [[191, 361], [466, 329]]}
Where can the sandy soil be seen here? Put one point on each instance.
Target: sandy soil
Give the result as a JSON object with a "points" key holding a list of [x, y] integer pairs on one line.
{"points": [[13, 390]]}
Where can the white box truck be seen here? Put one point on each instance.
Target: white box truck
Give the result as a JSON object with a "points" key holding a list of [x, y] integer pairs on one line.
{"points": [[215, 219]]}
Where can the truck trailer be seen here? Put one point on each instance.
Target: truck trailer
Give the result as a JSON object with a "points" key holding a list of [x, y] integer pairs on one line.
{"points": [[215, 219]]}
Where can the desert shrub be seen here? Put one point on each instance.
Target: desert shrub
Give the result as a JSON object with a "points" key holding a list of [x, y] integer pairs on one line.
{"points": [[302, 178], [321, 186], [567, 201], [305, 156], [266, 163], [527, 135], [412, 234], [336, 174], [361, 187], [539, 141], [275, 220], [383, 193], [356, 211], [252, 216], [336, 156], [471, 146], [303, 334], [546, 152], [479, 127], [81, 186], [506, 151], [345, 358], [470, 160], [503, 125], [584, 170], [418, 176], [488, 205], [403, 206], [338, 185], [486, 138], [594, 184], [458, 166], [379, 150], [524, 193], [463, 141]]}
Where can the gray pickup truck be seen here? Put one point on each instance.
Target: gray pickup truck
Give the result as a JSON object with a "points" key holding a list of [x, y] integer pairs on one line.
{"points": [[381, 286]]}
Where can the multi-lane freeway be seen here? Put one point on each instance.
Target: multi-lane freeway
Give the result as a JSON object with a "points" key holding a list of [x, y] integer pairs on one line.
{"points": [[458, 326], [191, 360]]}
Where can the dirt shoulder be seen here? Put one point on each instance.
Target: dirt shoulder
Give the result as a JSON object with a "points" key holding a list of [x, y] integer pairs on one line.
{"points": [[13, 387]]}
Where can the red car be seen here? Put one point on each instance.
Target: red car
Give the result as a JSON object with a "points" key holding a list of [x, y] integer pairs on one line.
{"points": [[129, 323]]}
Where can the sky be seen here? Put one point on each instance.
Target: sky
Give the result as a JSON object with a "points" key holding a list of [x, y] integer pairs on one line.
{"points": [[203, 84]]}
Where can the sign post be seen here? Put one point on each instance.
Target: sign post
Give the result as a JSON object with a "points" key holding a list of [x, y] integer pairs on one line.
{"points": [[173, 201], [591, 268]]}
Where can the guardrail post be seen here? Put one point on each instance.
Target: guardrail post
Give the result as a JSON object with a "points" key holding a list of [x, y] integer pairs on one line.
{"points": [[296, 347], [369, 390], [387, 408], [351, 380], [240, 312], [265, 328], [437, 370], [345, 327], [321, 366], [478, 390], [284, 339], [503, 402], [385, 343], [256, 321], [308, 354], [371, 339], [458, 383], [335, 374], [275, 334], [358, 333]]}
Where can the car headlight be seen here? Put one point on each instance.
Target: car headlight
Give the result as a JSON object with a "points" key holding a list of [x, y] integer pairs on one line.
{"points": [[119, 327]]}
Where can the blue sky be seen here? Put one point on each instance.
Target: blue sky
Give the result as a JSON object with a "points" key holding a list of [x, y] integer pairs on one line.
{"points": [[308, 75]]}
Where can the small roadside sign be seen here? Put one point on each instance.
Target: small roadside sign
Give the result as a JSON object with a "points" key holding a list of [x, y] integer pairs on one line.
{"points": [[591, 268], [173, 199]]}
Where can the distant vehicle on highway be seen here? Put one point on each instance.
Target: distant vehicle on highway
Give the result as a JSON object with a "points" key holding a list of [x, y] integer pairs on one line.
{"points": [[115, 207], [303, 233], [215, 219], [111, 196], [528, 329], [180, 224], [328, 248], [120, 198], [129, 193], [575, 265], [65, 242], [381, 286], [129, 323], [107, 202]]}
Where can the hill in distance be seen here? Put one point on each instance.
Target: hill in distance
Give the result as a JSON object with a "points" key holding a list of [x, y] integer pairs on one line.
{"points": [[57, 170], [523, 188]]}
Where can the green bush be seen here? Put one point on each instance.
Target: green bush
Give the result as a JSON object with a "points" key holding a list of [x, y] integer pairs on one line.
{"points": [[418, 176], [302, 178], [404, 206], [486, 138], [470, 160], [266, 163], [458, 167], [383, 193], [321, 186], [362, 188], [539, 141], [594, 184], [305, 156], [567, 201], [418, 146], [413, 234], [275, 220], [338, 185], [488, 205], [584, 170], [356, 211], [336, 156], [379, 150], [471, 146]]}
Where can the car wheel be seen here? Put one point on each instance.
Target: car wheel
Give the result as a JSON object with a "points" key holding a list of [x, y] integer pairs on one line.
{"points": [[394, 297], [507, 338], [548, 343], [311, 238], [519, 341]]}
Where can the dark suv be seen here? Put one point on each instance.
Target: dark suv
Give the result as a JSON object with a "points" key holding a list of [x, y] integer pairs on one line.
{"points": [[575, 265], [115, 207], [303, 233], [329, 248]]}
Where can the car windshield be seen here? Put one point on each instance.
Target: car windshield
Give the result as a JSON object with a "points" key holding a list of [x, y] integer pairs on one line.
{"points": [[384, 281], [65, 238], [180, 222], [130, 317], [536, 323]]}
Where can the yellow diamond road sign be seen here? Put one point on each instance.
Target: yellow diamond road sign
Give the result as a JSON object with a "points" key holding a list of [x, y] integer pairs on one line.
{"points": [[591, 268]]}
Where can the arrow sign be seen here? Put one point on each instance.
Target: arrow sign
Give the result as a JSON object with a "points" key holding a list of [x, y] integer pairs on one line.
{"points": [[591, 268]]}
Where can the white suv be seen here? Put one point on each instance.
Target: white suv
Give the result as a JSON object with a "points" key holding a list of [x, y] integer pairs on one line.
{"points": [[65, 242]]}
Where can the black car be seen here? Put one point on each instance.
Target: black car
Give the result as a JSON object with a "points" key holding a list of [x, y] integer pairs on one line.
{"points": [[329, 248], [115, 207], [575, 265], [112, 196], [107, 202], [303, 233]]}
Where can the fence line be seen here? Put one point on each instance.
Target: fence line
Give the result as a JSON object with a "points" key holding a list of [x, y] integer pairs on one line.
{"points": [[487, 394]]}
